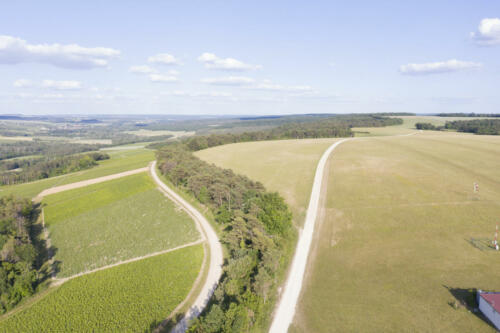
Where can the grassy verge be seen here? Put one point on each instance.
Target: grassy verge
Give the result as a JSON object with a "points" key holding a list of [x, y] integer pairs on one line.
{"points": [[133, 297]]}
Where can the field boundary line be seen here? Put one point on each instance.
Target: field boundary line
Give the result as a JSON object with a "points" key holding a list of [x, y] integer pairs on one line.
{"points": [[285, 310], [60, 281], [216, 255], [84, 183]]}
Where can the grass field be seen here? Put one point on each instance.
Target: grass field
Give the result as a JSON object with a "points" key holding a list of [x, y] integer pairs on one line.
{"points": [[105, 223], [132, 297], [407, 127], [120, 160], [148, 133], [286, 166], [393, 247]]}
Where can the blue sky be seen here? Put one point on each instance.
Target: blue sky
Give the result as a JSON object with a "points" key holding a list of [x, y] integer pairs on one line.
{"points": [[249, 57]]}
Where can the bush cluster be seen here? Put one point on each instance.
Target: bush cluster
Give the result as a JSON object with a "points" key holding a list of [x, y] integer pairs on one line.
{"points": [[18, 276]]}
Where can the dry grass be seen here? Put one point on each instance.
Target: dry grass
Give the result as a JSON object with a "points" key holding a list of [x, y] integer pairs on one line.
{"points": [[399, 216], [286, 166]]}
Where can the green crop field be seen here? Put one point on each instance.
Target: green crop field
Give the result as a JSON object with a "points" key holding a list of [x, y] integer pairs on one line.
{"points": [[394, 249], [105, 223], [286, 166], [132, 297], [121, 160]]}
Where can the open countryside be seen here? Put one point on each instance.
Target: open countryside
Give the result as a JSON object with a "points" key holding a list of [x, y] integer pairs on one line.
{"points": [[249, 167]]}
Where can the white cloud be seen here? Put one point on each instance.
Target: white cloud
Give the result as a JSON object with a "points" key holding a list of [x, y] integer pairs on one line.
{"points": [[14, 50], [211, 61], [488, 32], [62, 85], [229, 81], [22, 83], [143, 69], [162, 78], [438, 67], [164, 59]]}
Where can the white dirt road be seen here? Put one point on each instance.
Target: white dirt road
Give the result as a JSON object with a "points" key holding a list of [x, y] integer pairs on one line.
{"points": [[62, 280], [216, 256], [84, 183], [286, 308]]}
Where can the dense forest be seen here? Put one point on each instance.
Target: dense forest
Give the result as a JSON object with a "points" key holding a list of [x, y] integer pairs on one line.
{"points": [[27, 148], [256, 229], [338, 126], [18, 275], [427, 126], [15, 171], [489, 115], [476, 126]]}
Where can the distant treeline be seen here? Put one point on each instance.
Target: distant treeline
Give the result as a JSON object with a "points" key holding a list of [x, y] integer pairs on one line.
{"points": [[476, 126], [256, 229], [29, 169], [489, 115], [331, 127], [20, 251], [114, 134], [26, 148]]}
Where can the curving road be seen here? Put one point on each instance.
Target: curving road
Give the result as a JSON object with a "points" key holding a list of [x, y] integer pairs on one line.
{"points": [[216, 256], [286, 308]]}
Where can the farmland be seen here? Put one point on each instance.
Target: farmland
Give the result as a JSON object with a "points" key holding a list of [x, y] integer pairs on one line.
{"points": [[393, 248], [286, 166], [121, 160], [132, 297], [112, 221]]}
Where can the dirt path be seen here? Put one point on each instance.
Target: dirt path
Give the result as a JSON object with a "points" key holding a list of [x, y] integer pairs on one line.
{"points": [[216, 256], [61, 281], [286, 308], [84, 183]]}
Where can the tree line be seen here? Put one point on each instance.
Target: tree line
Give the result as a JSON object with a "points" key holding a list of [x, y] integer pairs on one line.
{"points": [[29, 169], [476, 126], [256, 230], [19, 255], [330, 127], [35, 147], [489, 115]]}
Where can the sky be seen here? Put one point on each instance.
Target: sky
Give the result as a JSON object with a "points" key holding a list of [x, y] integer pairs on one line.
{"points": [[249, 57]]}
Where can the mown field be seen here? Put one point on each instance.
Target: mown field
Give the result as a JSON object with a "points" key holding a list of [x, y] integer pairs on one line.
{"points": [[105, 223], [407, 127], [393, 248], [132, 297], [121, 160], [285, 166]]}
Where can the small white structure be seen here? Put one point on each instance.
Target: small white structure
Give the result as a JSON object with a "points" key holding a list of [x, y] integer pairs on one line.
{"points": [[489, 305]]}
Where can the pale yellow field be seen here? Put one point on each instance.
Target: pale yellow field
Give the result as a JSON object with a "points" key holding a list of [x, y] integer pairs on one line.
{"points": [[286, 166], [143, 132], [393, 246]]}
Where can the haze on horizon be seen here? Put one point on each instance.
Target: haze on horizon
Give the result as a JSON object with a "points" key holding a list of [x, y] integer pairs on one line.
{"points": [[249, 58]]}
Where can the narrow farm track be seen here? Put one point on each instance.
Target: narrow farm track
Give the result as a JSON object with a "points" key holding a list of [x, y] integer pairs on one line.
{"points": [[286, 307], [216, 255], [285, 310], [84, 183], [61, 281]]}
